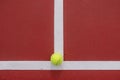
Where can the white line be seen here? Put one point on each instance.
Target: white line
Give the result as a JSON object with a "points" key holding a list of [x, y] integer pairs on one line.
{"points": [[67, 65], [58, 26]]}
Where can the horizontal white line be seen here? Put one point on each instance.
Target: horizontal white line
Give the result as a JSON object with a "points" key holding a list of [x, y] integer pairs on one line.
{"points": [[67, 65]]}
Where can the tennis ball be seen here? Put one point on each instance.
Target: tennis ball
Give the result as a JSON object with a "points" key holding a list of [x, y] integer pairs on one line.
{"points": [[56, 59]]}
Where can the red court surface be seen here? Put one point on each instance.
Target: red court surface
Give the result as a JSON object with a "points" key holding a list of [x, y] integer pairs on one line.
{"points": [[60, 75], [92, 29], [26, 29], [91, 32]]}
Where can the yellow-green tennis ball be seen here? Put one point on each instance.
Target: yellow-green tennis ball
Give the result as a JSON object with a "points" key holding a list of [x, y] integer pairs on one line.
{"points": [[56, 59]]}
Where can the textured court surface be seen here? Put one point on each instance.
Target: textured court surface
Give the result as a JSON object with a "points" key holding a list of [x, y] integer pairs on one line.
{"points": [[26, 29], [91, 32]]}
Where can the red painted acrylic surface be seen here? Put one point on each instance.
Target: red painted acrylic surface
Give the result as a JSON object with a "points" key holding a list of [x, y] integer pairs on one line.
{"points": [[92, 29], [60, 75], [26, 29]]}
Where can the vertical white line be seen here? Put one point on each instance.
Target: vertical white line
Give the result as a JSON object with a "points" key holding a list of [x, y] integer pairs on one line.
{"points": [[58, 26]]}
